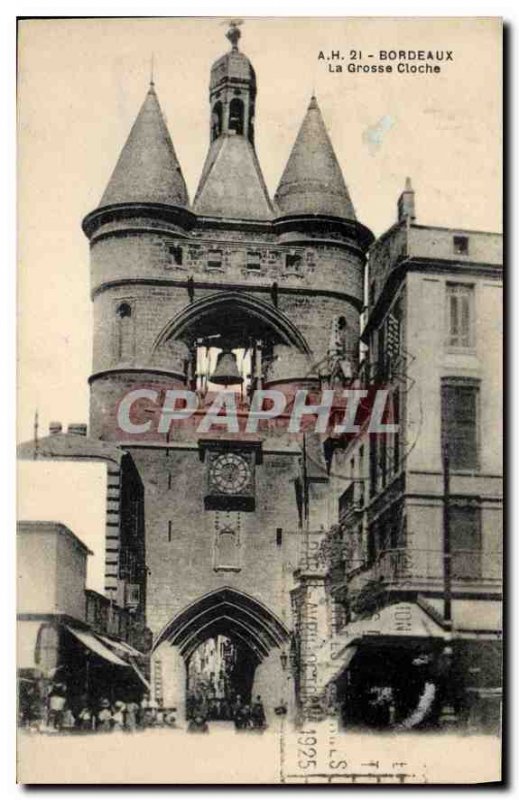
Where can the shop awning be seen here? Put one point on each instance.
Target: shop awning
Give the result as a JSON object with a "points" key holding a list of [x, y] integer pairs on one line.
{"points": [[478, 619], [91, 642], [141, 676], [400, 620], [124, 647]]}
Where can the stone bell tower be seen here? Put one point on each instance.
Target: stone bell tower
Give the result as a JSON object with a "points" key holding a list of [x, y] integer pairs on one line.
{"points": [[235, 290]]}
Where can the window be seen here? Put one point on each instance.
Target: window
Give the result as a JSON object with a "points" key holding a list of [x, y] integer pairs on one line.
{"points": [[176, 255], [460, 315], [460, 423], [214, 259], [236, 116], [465, 538], [124, 310], [253, 261], [133, 595], [216, 121], [460, 245], [124, 339], [293, 262], [279, 536]]}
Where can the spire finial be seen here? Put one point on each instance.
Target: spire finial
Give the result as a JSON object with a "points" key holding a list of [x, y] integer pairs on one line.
{"points": [[408, 185], [234, 33], [152, 69], [313, 101]]}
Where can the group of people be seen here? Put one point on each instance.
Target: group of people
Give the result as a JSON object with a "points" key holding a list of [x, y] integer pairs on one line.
{"points": [[244, 715], [130, 716], [249, 717], [54, 712]]}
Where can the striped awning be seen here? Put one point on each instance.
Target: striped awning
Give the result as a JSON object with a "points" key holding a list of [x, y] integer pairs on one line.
{"points": [[97, 647]]}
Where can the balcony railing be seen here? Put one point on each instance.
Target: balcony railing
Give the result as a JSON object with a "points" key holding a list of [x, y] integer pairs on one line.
{"points": [[393, 566]]}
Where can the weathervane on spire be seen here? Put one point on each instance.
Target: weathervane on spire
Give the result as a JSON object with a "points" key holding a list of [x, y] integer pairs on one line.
{"points": [[234, 33]]}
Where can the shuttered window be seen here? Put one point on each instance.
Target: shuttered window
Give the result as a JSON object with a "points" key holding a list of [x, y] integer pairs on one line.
{"points": [[460, 424], [460, 313]]}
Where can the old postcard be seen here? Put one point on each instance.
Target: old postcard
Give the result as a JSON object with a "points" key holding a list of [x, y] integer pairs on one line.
{"points": [[260, 451]]}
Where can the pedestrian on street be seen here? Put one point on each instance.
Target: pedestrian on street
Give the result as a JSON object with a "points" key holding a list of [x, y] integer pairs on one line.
{"points": [[84, 718], [104, 716], [243, 720], [132, 711], [118, 716], [198, 725], [169, 717], [57, 704], [259, 721]]}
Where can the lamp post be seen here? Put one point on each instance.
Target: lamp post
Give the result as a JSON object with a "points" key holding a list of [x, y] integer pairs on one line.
{"points": [[448, 715], [447, 558]]}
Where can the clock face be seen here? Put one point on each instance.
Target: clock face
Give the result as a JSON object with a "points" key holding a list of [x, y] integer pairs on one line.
{"points": [[230, 473]]}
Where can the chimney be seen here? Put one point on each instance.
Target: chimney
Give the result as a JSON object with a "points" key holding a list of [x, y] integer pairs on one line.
{"points": [[406, 209], [78, 428], [55, 427]]}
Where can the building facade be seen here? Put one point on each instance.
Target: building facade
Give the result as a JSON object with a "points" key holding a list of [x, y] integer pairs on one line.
{"points": [[434, 335], [65, 641]]}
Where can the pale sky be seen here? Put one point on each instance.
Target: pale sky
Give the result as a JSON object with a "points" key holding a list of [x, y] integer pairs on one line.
{"points": [[82, 82], [81, 507]]}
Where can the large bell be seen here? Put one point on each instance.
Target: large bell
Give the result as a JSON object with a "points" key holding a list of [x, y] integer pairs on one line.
{"points": [[226, 371]]}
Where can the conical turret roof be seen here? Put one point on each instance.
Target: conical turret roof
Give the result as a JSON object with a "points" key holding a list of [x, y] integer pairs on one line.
{"points": [[312, 182], [147, 170]]}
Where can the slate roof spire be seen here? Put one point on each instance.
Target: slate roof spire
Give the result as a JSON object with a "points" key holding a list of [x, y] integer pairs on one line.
{"points": [[148, 170], [312, 182]]}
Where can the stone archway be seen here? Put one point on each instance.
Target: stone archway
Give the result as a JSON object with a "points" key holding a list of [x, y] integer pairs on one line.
{"points": [[260, 638]]}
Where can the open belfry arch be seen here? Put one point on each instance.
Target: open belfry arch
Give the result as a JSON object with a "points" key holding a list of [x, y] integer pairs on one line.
{"points": [[235, 290], [244, 316]]}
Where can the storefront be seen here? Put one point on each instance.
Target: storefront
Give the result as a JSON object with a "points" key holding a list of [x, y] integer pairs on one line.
{"points": [[85, 669], [398, 668]]}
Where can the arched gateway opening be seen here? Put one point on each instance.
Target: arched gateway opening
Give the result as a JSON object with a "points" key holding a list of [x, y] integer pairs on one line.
{"points": [[224, 645]]}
